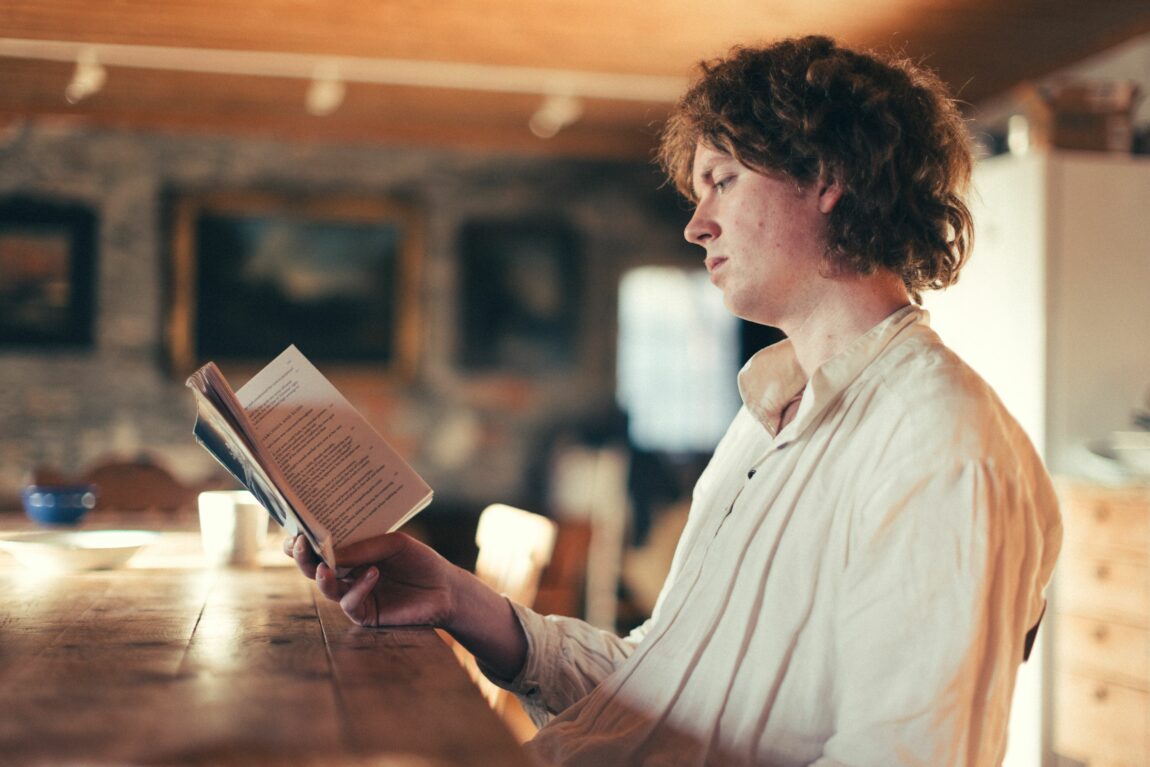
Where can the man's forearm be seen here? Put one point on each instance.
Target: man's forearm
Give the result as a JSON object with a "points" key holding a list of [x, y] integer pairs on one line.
{"points": [[483, 622]]}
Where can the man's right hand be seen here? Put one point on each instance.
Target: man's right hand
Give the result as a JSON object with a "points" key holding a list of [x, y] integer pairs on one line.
{"points": [[397, 581]]}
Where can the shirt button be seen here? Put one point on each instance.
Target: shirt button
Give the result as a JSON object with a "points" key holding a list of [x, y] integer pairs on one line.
{"points": [[751, 474]]}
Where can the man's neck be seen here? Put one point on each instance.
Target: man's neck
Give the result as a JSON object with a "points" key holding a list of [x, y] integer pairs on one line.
{"points": [[842, 311]]}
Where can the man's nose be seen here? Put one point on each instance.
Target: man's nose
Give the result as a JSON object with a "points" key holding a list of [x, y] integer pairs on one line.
{"points": [[701, 229]]}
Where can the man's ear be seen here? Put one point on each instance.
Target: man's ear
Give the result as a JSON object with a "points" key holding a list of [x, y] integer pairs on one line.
{"points": [[830, 190]]}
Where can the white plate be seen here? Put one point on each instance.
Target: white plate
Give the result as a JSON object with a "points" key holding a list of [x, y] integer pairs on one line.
{"points": [[76, 550]]}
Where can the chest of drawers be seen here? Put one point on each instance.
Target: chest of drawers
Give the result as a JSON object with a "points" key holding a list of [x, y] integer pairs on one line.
{"points": [[1101, 639]]}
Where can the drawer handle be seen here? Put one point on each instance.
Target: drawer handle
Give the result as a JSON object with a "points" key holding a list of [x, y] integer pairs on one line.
{"points": [[1101, 633], [1102, 572], [1101, 693]]}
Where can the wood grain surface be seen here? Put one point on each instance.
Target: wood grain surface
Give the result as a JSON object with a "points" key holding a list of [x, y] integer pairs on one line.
{"points": [[166, 662]]}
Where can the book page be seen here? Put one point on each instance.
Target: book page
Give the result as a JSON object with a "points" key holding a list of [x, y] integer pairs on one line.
{"points": [[344, 473], [223, 429]]}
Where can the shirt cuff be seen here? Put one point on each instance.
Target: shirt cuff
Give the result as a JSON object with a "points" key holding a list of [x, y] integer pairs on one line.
{"points": [[527, 683]]}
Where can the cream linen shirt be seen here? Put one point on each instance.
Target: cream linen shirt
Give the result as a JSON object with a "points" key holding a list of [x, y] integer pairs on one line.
{"points": [[853, 590]]}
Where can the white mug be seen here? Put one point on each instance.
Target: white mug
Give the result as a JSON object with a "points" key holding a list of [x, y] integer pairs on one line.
{"points": [[233, 527]]}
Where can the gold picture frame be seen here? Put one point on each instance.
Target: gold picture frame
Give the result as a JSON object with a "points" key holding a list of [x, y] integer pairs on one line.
{"points": [[47, 274], [251, 272]]}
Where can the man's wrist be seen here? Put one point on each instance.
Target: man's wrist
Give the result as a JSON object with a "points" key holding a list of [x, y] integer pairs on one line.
{"points": [[483, 621]]}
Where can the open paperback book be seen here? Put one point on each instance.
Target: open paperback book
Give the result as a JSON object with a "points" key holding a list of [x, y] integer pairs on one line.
{"points": [[306, 454]]}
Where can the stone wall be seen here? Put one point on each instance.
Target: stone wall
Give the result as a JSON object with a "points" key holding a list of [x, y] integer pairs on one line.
{"points": [[477, 438]]}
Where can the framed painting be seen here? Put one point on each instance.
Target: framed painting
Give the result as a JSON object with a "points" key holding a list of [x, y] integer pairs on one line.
{"points": [[521, 296], [252, 273], [47, 273]]}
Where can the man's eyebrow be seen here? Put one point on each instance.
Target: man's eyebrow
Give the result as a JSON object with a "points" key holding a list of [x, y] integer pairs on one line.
{"points": [[703, 175]]}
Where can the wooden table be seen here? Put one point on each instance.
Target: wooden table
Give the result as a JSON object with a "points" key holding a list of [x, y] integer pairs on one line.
{"points": [[165, 662]]}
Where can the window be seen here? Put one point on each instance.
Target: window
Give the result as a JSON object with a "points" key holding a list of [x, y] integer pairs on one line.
{"points": [[678, 352]]}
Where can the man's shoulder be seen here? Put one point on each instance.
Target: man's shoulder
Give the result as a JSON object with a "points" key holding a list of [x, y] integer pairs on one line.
{"points": [[933, 395]]}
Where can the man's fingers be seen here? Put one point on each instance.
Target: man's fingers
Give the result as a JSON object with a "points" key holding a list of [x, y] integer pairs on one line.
{"points": [[353, 599], [352, 593], [300, 550], [329, 585]]}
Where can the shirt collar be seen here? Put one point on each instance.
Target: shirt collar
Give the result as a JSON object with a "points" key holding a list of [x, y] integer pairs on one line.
{"points": [[773, 377]]}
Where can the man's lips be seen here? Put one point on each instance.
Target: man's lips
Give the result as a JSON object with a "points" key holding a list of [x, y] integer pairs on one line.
{"points": [[714, 262]]}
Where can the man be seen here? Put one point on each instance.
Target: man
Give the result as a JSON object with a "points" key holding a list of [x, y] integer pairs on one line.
{"points": [[868, 547]]}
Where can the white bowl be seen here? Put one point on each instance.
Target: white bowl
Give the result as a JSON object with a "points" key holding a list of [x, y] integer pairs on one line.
{"points": [[67, 551]]}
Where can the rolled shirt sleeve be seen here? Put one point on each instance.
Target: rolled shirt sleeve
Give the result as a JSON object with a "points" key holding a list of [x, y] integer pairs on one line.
{"points": [[566, 659]]}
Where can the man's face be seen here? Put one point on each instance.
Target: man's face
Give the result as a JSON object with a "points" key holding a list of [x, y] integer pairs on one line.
{"points": [[764, 238]]}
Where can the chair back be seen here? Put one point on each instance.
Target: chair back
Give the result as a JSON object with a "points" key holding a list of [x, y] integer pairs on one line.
{"points": [[49, 475], [137, 485], [514, 548]]}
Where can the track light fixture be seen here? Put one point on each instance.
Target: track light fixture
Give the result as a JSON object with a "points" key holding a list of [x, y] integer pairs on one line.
{"points": [[88, 78], [327, 89], [562, 104], [555, 114]]}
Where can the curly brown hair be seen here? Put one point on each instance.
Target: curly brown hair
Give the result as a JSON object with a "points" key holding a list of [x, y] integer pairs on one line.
{"points": [[883, 127]]}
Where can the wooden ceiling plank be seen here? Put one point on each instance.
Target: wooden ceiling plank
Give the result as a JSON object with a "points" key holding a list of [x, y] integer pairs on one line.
{"points": [[981, 47]]}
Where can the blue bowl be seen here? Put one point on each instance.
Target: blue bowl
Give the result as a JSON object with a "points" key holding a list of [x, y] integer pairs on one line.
{"points": [[58, 504]]}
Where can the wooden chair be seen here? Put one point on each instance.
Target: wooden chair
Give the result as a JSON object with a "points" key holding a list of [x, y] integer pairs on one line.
{"points": [[49, 475], [138, 484], [515, 547], [563, 588]]}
